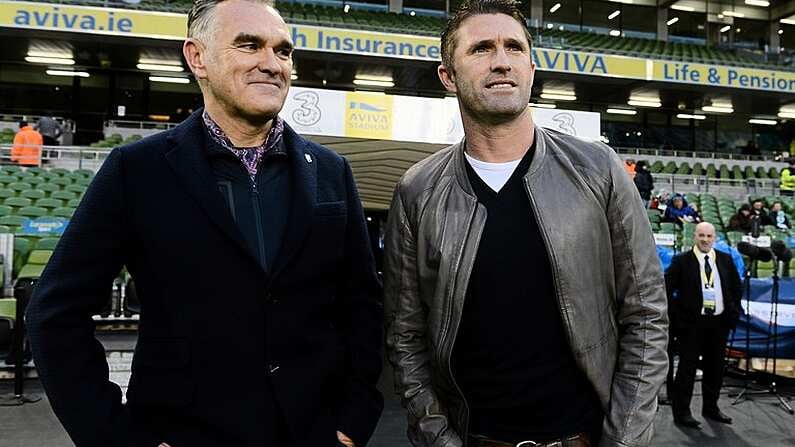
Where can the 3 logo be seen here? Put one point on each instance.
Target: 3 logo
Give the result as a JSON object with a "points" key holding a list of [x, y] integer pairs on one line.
{"points": [[308, 113]]}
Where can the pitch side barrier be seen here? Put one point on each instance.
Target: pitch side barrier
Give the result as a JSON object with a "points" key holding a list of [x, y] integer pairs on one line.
{"points": [[68, 157]]}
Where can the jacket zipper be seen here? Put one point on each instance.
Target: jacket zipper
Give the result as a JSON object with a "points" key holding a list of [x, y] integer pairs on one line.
{"points": [[258, 220], [449, 353], [552, 263]]}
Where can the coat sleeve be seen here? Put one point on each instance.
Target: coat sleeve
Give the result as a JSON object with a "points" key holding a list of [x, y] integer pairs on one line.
{"points": [[406, 335], [75, 285], [360, 318], [642, 361]]}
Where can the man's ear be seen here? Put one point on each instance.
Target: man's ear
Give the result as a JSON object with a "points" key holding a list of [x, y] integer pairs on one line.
{"points": [[195, 54], [447, 76]]}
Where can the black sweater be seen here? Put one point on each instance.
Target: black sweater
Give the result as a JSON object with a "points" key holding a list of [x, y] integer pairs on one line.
{"points": [[511, 357]]}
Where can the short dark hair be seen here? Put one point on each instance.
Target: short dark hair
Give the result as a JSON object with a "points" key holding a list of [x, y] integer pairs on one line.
{"points": [[470, 8], [22, 124], [200, 14]]}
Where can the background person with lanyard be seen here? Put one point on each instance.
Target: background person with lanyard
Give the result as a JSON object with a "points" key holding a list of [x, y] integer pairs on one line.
{"points": [[704, 291]]}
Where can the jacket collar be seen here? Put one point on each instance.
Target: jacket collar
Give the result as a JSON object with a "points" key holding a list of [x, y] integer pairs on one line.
{"points": [[189, 162], [303, 188], [459, 160]]}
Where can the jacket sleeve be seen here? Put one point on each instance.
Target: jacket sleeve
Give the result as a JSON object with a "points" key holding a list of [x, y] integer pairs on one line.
{"points": [[787, 178], [406, 337], [641, 315], [360, 320], [75, 285]]}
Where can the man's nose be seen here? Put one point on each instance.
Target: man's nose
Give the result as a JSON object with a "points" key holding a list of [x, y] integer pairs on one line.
{"points": [[501, 62], [269, 63]]}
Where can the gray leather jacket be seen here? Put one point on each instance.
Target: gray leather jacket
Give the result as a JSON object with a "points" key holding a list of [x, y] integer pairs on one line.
{"points": [[607, 275]]}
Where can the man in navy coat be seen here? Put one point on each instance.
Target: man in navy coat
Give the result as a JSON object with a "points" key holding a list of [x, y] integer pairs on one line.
{"points": [[261, 317]]}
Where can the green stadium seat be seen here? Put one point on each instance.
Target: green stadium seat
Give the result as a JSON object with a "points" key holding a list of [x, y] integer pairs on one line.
{"points": [[65, 212], [19, 186], [74, 176], [764, 269], [22, 247], [79, 189], [24, 175], [48, 188], [86, 173], [35, 181], [17, 202], [5, 210], [10, 169], [6, 193], [8, 308], [654, 216], [39, 256], [47, 175], [32, 194], [13, 220], [6, 179], [32, 211], [59, 171], [73, 203], [64, 195], [47, 243], [36, 170], [31, 271], [49, 203], [61, 181], [83, 181]]}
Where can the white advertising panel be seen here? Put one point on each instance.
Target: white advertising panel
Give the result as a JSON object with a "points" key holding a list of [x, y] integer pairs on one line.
{"points": [[315, 111], [404, 118]]}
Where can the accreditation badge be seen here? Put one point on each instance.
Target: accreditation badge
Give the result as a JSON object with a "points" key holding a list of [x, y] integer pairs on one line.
{"points": [[709, 300]]}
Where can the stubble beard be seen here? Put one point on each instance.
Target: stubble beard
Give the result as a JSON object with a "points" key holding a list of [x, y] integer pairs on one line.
{"points": [[490, 111]]}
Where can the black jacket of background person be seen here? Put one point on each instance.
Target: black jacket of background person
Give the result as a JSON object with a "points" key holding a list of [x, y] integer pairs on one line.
{"points": [[684, 277], [217, 333]]}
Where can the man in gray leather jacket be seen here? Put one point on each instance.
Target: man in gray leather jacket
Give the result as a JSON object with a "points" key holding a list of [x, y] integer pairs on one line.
{"points": [[524, 298]]}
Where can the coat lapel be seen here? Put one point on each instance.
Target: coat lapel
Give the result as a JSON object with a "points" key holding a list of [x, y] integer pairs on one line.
{"points": [[303, 189], [194, 173]]}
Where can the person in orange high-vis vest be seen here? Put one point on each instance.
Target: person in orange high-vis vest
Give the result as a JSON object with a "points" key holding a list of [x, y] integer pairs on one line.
{"points": [[27, 146]]}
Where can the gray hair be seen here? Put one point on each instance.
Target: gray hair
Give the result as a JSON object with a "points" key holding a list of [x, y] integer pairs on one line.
{"points": [[201, 14]]}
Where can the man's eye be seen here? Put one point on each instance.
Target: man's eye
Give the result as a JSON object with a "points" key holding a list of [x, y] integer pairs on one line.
{"points": [[249, 46], [481, 50]]}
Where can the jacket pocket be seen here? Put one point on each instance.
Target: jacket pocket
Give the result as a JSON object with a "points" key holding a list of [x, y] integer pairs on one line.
{"points": [[161, 374]]}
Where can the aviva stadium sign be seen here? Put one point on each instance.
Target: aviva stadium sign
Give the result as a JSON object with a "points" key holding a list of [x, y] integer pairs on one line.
{"points": [[170, 26]]}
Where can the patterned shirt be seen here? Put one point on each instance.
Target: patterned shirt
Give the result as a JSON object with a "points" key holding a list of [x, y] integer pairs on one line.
{"points": [[249, 156]]}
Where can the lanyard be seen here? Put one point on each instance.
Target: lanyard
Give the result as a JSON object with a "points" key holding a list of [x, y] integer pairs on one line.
{"points": [[707, 282]]}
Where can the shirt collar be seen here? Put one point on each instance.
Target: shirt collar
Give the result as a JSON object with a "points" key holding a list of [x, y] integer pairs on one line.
{"points": [[249, 156], [219, 136], [700, 255]]}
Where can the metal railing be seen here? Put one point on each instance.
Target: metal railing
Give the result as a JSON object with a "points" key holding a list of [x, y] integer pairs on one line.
{"points": [[68, 157], [697, 154], [739, 189]]}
